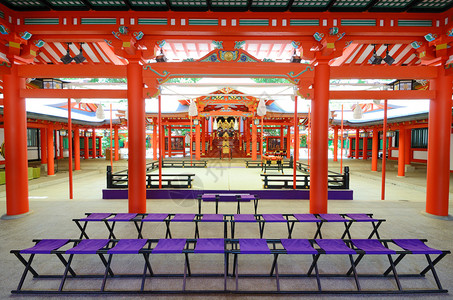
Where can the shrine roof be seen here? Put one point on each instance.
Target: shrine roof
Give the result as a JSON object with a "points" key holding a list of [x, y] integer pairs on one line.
{"points": [[233, 6]]}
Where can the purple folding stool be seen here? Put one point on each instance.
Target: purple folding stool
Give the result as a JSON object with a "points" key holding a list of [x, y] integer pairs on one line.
{"points": [[253, 246], [119, 217], [338, 218], [153, 217], [272, 218], [367, 218], [308, 218], [212, 218], [243, 218], [93, 217], [180, 218]]}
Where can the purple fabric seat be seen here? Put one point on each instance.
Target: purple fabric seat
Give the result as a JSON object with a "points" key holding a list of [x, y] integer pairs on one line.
{"points": [[210, 246], [274, 218], [88, 246], [96, 217], [128, 246], [212, 218], [247, 198], [155, 218], [416, 246], [372, 246], [331, 246], [45, 246], [333, 218], [298, 246], [361, 218], [122, 217], [183, 218], [253, 246], [306, 218], [244, 218], [170, 246], [227, 197], [208, 197]]}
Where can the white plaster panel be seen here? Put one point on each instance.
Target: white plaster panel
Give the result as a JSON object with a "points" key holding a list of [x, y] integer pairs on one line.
{"points": [[421, 155]]}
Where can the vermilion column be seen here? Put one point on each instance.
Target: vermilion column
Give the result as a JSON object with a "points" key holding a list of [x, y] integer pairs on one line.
{"points": [[169, 140], [357, 143], [401, 151], [86, 146], [43, 145], [197, 141], [319, 137], [117, 143], [15, 144], [439, 128], [50, 151], [282, 137], [254, 140], [365, 148], [76, 149], [203, 137], [375, 150], [335, 144], [137, 139], [155, 141], [60, 155], [93, 144], [407, 148], [288, 142]]}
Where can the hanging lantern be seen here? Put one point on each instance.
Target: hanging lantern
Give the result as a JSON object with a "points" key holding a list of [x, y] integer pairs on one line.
{"points": [[193, 111], [100, 112], [236, 125], [214, 126], [261, 109], [358, 112]]}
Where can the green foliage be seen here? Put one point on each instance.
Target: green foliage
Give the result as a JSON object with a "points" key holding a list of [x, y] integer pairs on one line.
{"points": [[108, 80], [270, 80], [184, 80]]}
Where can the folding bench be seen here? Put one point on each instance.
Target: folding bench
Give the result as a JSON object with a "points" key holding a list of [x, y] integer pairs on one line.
{"points": [[106, 218], [238, 198], [197, 218], [153, 218], [346, 219], [201, 246]]}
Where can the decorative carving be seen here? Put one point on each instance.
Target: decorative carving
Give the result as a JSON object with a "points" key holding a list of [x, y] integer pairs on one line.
{"points": [[188, 59], [239, 44], [138, 35], [268, 60], [218, 44], [228, 55], [211, 58], [295, 44], [161, 43], [39, 43], [245, 58]]}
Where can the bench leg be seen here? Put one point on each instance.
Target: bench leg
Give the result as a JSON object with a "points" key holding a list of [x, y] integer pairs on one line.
{"points": [[356, 278], [226, 261], [27, 268], [82, 229], [110, 229], [199, 206], [146, 268], [139, 229], [236, 271], [398, 259], [105, 264], [65, 263], [375, 230], [318, 230], [65, 274], [347, 226], [433, 270], [392, 265], [107, 268], [290, 229], [261, 226]]}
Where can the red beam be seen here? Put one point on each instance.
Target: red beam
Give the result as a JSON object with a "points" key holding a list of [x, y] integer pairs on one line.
{"points": [[72, 71], [371, 95], [72, 93]]}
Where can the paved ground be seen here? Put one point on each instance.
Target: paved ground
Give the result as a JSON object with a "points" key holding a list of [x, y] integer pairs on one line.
{"points": [[52, 212]]}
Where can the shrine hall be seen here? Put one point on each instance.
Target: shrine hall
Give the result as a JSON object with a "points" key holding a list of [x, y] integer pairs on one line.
{"points": [[315, 137]]}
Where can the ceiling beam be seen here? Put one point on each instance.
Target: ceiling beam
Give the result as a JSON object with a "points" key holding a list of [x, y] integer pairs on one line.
{"points": [[72, 71]]}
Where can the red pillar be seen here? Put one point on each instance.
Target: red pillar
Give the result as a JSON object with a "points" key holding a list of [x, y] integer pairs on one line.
{"points": [[155, 140], [43, 145], [50, 151], [93, 144], [117, 143], [365, 148], [76, 149], [60, 154], [375, 150], [357, 143], [197, 141], [254, 141], [320, 130], [439, 130], [169, 140], [282, 137], [247, 136], [203, 136], [15, 130], [137, 142], [401, 151], [335, 144], [288, 142], [407, 148], [86, 146]]}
